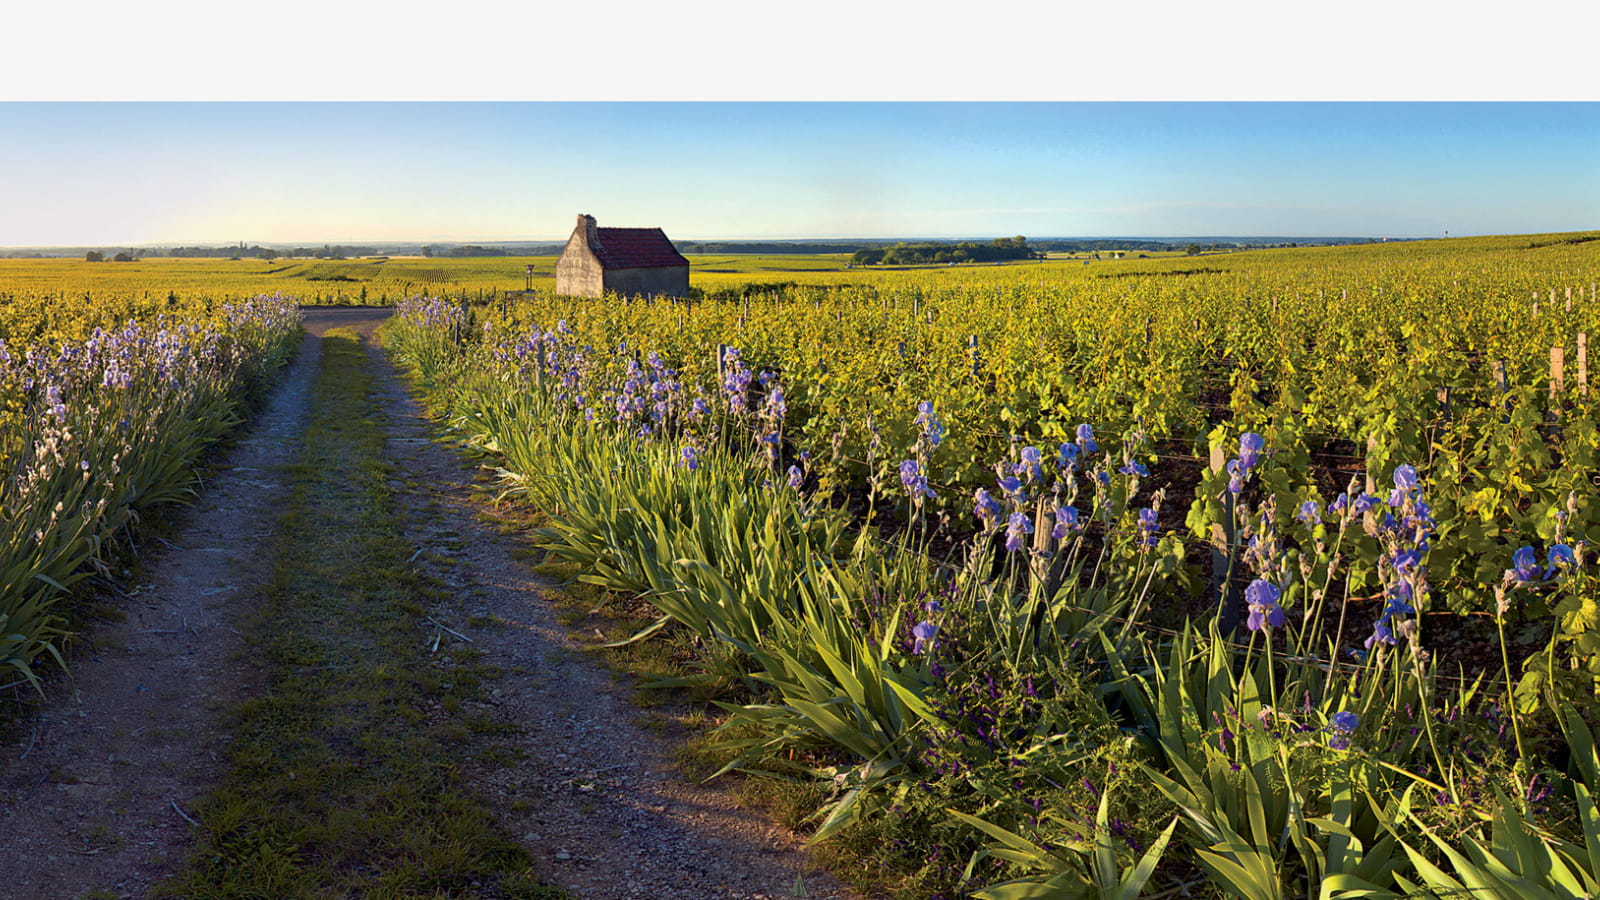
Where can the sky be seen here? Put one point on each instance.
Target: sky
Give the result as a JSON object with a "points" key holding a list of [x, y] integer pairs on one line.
{"points": [[322, 122], [141, 172]]}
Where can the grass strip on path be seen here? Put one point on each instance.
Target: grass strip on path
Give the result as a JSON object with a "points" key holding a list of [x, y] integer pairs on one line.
{"points": [[342, 782]]}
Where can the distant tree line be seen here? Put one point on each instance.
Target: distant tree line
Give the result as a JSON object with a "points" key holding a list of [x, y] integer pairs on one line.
{"points": [[768, 248], [932, 252]]}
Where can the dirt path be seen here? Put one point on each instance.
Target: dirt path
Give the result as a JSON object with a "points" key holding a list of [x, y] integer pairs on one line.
{"points": [[95, 794], [97, 789], [598, 798]]}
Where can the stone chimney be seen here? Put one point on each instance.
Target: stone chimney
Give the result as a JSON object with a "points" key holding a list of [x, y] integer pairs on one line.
{"points": [[586, 223]]}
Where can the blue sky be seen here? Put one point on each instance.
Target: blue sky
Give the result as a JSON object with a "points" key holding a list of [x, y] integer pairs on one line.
{"points": [[88, 173]]}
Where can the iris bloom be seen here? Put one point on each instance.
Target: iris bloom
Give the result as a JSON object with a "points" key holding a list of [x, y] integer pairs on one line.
{"points": [[1086, 439], [1525, 564], [1262, 599], [1309, 513], [924, 634], [985, 507], [1405, 478], [1250, 447], [1016, 527]]}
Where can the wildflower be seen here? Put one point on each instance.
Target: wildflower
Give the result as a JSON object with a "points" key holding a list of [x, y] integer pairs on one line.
{"points": [[932, 428], [1148, 528], [1012, 486], [1381, 636], [691, 459], [1086, 439], [1365, 503], [1262, 598], [1135, 468], [776, 407], [1343, 724], [924, 634], [1030, 464], [1016, 527], [1066, 521], [1524, 565], [1069, 455], [1250, 446], [985, 507], [916, 484], [796, 477], [1561, 559], [1405, 478], [1309, 513], [699, 409], [1236, 474]]}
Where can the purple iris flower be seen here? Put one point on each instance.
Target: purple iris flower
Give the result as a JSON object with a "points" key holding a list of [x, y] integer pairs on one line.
{"points": [[924, 633], [796, 477], [1262, 599], [1135, 468], [1344, 724], [1011, 485], [916, 483], [1525, 564], [1406, 560], [1365, 503], [1236, 474], [1381, 635], [985, 507], [1250, 447], [1405, 478], [1148, 528], [1016, 527], [691, 459], [1069, 455], [1561, 559], [932, 428], [1309, 513], [1030, 464], [1066, 521], [1086, 439]]}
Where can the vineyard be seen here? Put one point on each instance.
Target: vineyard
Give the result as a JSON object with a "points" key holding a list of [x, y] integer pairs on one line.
{"points": [[1270, 571], [1259, 574]]}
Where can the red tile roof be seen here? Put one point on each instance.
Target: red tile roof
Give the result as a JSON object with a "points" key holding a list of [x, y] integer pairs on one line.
{"points": [[636, 248]]}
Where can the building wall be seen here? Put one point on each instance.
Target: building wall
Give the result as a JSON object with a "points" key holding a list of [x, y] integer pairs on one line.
{"points": [[578, 272], [662, 281]]}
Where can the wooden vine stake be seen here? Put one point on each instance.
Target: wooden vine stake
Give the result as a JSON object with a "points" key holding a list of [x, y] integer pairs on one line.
{"points": [[1558, 371], [1221, 540], [1583, 363], [538, 366]]}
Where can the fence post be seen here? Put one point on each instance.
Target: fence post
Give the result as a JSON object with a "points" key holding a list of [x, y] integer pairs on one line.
{"points": [[1221, 540], [972, 347], [1558, 371], [538, 366]]}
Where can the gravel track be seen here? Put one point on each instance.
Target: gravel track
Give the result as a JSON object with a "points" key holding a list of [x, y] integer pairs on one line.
{"points": [[96, 786]]}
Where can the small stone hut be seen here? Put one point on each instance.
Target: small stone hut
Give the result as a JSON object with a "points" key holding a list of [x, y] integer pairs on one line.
{"points": [[639, 261]]}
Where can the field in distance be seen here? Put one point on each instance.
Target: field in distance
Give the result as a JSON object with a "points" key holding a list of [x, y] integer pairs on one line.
{"points": [[378, 280]]}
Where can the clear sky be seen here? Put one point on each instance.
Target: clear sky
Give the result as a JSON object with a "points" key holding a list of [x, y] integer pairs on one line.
{"points": [[87, 173]]}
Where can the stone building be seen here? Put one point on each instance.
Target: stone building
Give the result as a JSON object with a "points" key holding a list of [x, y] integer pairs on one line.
{"points": [[600, 261]]}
